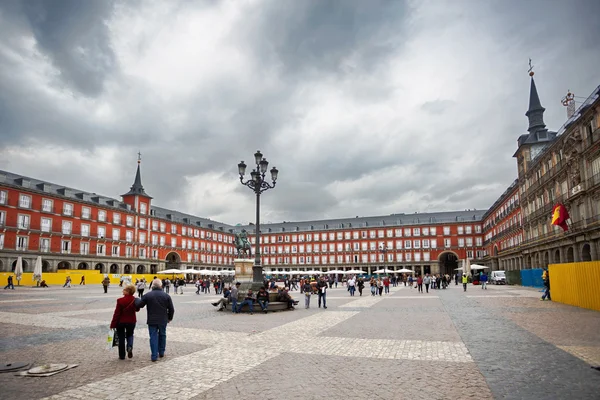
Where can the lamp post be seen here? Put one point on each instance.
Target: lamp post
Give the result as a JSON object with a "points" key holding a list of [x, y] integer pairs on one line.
{"points": [[384, 250], [258, 184]]}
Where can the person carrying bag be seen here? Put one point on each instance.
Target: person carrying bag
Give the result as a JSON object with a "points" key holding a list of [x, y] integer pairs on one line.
{"points": [[124, 320]]}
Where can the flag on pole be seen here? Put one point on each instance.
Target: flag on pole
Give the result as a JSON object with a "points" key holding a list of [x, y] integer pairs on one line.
{"points": [[560, 215]]}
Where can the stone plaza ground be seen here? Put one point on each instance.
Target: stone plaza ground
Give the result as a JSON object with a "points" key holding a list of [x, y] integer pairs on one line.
{"points": [[499, 343]]}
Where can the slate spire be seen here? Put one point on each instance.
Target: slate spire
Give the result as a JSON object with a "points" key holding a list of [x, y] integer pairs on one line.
{"points": [[535, 114], [137, 188]]}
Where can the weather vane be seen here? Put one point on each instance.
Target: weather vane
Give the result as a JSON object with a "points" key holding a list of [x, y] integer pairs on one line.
{"points": [[139, 157], [530, 68]]}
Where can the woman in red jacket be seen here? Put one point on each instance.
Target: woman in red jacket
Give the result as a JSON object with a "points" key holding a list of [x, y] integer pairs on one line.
{"points": [[124, 320]]}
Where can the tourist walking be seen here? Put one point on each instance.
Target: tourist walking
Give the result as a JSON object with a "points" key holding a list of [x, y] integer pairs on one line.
{"points": [[547, 285], [465, 280], [167, 285], [141, 286], [322, 288], [483, 280], [105, 283], [307, 293], [427, 282], [181, 285], [420, 283], [10, 283], [351, 285], [361, 285], [380, 286], [82, 281], [160, 313], [386, 285], [124, 320], [67, 282]]}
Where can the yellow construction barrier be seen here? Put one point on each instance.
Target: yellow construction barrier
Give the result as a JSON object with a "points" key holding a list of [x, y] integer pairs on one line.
{"points": [[92, 277], [575, 284]]}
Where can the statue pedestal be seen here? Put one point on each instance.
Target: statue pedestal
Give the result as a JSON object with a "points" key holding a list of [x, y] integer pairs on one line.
{"points": [[244, 268]]}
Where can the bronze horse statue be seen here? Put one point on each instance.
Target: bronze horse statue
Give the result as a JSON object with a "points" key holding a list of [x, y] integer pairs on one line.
{"points": [[242, 244]]}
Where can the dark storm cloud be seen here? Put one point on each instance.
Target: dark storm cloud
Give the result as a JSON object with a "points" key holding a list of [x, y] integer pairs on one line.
{"points": [[315, 37], [74, 35], [452, 138]]}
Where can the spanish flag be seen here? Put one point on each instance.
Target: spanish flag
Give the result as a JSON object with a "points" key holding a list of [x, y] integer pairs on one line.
{"points": [[560, 215]]}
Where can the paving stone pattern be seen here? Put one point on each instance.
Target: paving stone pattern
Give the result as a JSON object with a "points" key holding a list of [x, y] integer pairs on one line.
{"points": [[498, 343]]}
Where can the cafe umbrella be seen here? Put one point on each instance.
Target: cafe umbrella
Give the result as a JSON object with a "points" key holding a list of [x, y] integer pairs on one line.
{"points": [[19, 270]]}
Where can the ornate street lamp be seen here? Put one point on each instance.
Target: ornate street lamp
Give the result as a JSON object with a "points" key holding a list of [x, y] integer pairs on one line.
{"points": [[258, 184], [383, 250]]}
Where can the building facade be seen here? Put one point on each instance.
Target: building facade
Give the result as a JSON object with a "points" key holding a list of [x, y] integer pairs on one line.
{"points": [[560, 168], [503, 231], [72, 229]]}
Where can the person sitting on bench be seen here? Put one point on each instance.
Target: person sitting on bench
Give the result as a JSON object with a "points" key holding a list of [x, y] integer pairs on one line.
{"points": [[263, 299], [285, 296], [224, 301], [249, 299]]}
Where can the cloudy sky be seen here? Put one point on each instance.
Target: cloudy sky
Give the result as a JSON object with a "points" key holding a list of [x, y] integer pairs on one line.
{"points": [[365, 107]]}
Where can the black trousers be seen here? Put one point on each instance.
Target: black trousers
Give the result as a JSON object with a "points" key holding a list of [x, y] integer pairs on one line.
{"points": [[124, 331], [105, 289]]}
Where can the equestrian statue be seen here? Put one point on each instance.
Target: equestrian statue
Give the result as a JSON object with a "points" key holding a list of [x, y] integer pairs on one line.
{"points": [[242, 244]]}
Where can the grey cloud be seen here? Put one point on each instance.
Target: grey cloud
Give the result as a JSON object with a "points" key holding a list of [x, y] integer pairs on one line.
{"points": [[75, 37], [349, 43], [437, 106], [316, 36]]}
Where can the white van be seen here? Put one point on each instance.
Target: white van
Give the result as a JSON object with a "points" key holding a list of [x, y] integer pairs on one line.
{"points": [[498, 278]]}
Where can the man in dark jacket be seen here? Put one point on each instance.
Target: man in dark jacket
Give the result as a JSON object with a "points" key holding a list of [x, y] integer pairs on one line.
{"points": [[160, 313], [322, 288]]}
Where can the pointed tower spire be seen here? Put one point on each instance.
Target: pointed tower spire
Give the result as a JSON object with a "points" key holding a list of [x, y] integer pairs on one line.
{"points": [[137, 188], [535, 114]]}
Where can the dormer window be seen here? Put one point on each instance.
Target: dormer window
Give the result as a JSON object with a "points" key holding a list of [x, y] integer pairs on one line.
{"points": [[143, 208]]}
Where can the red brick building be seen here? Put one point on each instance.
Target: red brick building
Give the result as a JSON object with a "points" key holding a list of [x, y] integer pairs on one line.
{"points": [[503, 230], [73, 229]]}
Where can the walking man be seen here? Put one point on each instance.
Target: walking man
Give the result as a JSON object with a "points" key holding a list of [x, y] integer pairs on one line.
{"points": [[160, 313], [426, 282], [322, 288], [351, 286], [483, 280], [105, 283], [547, 285], [465, 280], [10, 283]]}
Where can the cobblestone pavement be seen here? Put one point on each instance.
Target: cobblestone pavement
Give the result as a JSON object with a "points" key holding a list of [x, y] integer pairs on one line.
{"points": [[498, 343]]}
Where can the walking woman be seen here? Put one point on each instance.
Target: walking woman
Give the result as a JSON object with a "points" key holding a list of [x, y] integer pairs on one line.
{"points": [[141, 285], [307, 289], [124, 320]]}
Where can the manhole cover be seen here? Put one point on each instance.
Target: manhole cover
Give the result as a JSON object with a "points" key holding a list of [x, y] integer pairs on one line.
{"points": [[15, 366], [46, 369]]}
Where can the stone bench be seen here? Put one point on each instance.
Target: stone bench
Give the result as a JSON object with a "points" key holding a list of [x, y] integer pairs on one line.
{"points": [[274, 305]]}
